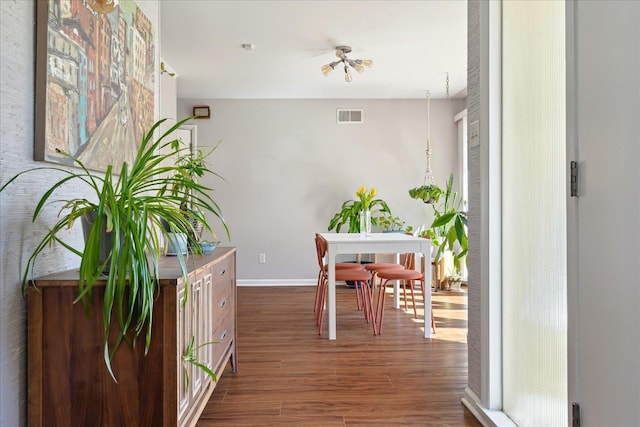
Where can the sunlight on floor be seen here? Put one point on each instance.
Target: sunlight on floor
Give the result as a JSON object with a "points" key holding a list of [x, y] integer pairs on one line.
{"points": [[450, 312]]}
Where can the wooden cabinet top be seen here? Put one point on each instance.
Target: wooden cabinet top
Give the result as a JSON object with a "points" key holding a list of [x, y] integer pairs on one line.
{"points": [[169, 272]]}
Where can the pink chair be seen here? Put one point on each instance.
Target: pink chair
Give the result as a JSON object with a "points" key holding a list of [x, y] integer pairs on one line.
{"points": [[407, 277], [324, 270], [361, 277]]}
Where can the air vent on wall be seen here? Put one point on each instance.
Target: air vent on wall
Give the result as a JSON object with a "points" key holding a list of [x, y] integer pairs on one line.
{"points": [[349, 116]]}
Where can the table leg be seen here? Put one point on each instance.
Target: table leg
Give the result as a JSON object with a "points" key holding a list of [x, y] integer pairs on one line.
{"points": [[426, 253], [396, 288], [331, 294]]}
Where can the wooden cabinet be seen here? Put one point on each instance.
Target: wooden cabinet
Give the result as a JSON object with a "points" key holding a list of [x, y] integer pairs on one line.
{"points": [[68, 383]]}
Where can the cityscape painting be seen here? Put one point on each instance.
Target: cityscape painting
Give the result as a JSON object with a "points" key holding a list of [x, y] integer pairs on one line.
{"points": [[95, 77]]}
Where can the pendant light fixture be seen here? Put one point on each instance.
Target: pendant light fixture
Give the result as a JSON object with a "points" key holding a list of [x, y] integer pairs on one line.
{"points": [[356, 64]]}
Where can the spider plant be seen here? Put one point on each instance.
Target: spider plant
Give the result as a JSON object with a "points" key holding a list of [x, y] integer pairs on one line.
{"points": [[192, 166], [129, 209]]}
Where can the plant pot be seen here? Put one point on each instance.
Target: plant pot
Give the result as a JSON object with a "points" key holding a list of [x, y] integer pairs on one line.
{"points": [[105, 237], [176, 243], [455, 285]]}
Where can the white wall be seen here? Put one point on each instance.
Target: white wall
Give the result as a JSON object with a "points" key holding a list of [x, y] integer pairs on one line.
{"points": [[289, 166], [17, 235]]}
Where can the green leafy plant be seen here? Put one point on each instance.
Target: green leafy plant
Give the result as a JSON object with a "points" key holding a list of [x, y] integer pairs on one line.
{"points": [[191, 166], [448, 230], [425, 234], [189, 357], [128, 211], [427, 193], [349, 213], [454, 275], [389, 222]]}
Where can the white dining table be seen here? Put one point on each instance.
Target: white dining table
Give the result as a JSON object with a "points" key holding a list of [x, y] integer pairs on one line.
{"points": [[376, 243]]}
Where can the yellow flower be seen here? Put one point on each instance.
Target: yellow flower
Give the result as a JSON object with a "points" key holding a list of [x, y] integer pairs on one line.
{"points": [[365, 198]]}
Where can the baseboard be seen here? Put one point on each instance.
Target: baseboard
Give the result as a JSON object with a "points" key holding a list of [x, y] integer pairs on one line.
{"points": [[486, 417], [277, 282]]}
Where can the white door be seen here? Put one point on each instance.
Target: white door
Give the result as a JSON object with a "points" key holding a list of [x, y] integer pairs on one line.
{"points": [[603, 118]]}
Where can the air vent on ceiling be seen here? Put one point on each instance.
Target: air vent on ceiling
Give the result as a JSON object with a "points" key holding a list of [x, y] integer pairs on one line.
{"points": [[349, 116]]}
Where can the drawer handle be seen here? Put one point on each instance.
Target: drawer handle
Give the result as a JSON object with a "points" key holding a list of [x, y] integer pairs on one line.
{"points": [[223, 271], [223, 336], [223, 303]]}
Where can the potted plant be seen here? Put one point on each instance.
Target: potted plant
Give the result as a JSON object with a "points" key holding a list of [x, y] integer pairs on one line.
{"points": [[191, 166], [448, 230], [350, 210], [123, 232], [389, 223], [427, 193], [453, 279]]}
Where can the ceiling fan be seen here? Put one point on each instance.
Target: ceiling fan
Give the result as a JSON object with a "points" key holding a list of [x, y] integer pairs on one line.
{"points": [[356, 64]]}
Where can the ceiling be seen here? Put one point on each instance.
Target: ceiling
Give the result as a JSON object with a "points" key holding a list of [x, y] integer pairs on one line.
{"points": [[413, 45]]}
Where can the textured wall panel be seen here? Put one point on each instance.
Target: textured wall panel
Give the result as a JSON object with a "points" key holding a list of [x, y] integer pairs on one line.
{"points": [[473, 114], [18, 236]]}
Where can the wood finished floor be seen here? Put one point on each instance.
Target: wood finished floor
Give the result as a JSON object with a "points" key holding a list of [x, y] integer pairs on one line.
{"points": [[290, 376]]}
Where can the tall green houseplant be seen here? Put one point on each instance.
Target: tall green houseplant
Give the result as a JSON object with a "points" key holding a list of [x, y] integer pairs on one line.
{"points": [[126, 214], [448, 230]]}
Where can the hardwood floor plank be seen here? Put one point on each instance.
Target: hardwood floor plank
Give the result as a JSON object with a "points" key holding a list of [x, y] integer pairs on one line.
{"points": [[291, 376]]}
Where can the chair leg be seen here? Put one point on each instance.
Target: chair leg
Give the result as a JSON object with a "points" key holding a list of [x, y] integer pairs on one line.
{"points": [[380, 306], [320, 314], [358, 295], [364, 294], [369, 301], [433, 322], [413, 299], [315, 304], [321, 282]]}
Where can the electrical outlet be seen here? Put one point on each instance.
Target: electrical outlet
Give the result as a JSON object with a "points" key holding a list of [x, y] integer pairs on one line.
{"points": [[263, 259]]}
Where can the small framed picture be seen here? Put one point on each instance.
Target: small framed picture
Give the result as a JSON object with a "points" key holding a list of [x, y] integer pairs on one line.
{"points": [[201, 112]]}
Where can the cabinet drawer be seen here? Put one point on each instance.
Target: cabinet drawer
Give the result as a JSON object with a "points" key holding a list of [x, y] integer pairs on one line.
{"points": [[222, 306], [222, 295], [223, 335]]}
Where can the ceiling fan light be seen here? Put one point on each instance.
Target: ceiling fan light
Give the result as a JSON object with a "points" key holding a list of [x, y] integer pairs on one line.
{"points": [[356, 64], [327, 69], [347, 74]]}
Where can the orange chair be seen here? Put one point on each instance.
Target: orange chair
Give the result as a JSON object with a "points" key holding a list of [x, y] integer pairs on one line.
{"points": [[406, 277], [361, 277], [324, 270], [407, 262], [374, 267]]}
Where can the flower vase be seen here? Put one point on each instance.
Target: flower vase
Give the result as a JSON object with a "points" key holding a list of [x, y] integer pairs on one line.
{"points": [[365, 223]]}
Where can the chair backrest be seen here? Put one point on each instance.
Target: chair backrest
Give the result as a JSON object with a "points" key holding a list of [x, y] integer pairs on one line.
{"points": [[321, 249], [408, 261]]}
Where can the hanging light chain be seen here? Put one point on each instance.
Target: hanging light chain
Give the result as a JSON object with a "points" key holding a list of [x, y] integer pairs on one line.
{"points": [[428, 176], [447, 85]]}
